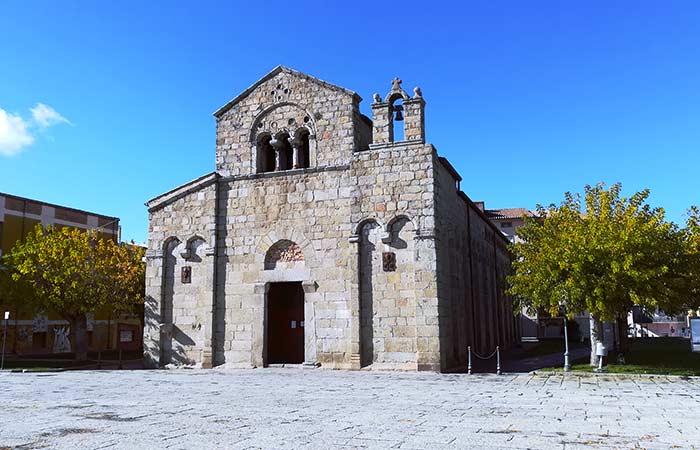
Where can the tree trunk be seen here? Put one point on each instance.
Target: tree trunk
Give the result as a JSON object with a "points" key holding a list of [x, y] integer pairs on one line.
{"points": [[622, 334], [78, 328], [596, 336]]}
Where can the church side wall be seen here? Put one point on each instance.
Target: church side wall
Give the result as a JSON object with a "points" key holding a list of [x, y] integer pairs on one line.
{"points": [[472, 265], [178, 310]]}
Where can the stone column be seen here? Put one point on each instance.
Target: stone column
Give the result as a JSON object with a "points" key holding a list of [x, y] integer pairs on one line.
{"points": [[428, 309], [382, 123], [296, 144], [414, 129], [258, 355], [277, 145], [152, 309], [311, 297], [207, 346], [354, 293]]}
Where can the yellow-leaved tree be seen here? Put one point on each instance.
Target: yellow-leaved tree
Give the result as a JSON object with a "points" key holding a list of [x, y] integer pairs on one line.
{"points": [[75, 272], [604, 253]]}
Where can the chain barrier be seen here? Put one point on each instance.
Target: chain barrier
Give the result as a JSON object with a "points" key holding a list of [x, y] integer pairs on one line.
{"points": [[496, 352]]}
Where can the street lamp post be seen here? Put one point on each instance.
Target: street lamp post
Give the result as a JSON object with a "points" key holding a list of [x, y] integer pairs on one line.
{"points": [[4, 339], [567, 366]]}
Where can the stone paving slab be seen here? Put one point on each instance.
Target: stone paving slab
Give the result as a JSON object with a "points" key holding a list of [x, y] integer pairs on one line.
{"points": [[322, 409]]}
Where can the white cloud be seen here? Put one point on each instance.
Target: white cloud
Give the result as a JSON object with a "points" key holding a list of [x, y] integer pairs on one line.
{"points": [[14, 134], [45, 116]]}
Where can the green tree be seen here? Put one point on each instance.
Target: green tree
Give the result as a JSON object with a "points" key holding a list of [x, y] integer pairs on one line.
{"points": [[602, 253], [18, 297], [14, 294], [692, 237], [74, 272]]}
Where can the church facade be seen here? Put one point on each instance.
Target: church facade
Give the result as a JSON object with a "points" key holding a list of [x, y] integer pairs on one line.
{"points": [[323, 238]]}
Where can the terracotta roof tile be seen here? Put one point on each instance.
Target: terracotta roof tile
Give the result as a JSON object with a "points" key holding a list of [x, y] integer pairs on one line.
{"points": [[508, 213]]}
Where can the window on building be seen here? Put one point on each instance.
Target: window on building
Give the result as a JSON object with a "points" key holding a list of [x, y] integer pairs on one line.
{"points": [[281, 152], [304, 159], [506, 224], [126, 336], [266, 154], [286, 152]]}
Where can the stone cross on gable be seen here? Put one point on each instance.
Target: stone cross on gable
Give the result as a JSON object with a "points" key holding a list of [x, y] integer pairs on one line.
{"points": [[396, 84]]}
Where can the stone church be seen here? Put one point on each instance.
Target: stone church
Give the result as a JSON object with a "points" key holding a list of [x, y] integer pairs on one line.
{"points": [[324, 238]]}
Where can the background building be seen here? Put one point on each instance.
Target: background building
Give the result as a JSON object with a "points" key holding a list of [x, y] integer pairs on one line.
{"points": [[36, 334], [508, 220], [657, 324]]}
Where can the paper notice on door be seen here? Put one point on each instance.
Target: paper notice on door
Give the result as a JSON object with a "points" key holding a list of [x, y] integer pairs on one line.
{"points": [[294, 323]]}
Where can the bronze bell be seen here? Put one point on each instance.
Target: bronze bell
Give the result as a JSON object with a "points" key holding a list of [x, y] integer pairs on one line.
{"points": [[399, 116]]}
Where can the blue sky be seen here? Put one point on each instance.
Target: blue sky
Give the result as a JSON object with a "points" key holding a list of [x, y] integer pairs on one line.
{"points": [[105, 105]]}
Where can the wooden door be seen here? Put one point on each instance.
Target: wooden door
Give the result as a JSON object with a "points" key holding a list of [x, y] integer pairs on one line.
{"points": [[285, 323]]}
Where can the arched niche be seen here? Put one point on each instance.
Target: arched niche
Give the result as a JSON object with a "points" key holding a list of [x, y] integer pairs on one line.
{"points": [[194, 249], [284, 254], [370, 233], [171, 248]]}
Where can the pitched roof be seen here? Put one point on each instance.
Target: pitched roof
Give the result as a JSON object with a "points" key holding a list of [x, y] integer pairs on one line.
{"points": [[181, 191], [271, 74], [508, 213]]}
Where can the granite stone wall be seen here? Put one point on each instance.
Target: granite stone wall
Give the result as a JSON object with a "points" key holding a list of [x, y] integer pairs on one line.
{"points": [[286, 103], [178, 315], [473, 261], [372, 232]]}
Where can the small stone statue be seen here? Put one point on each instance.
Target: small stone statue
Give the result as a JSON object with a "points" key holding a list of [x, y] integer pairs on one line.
{"points": [[377, 98], [417, 92]]}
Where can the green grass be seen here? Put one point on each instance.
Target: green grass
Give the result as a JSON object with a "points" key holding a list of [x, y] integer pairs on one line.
{"points": [[547, 347], [659, 356]]}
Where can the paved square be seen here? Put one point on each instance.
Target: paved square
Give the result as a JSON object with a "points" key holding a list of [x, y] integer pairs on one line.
{"points": [[295, 408]]}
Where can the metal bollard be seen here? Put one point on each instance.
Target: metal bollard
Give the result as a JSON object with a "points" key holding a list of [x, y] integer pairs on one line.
{"points": [[498, 360], [120, 359], [469, 367]]}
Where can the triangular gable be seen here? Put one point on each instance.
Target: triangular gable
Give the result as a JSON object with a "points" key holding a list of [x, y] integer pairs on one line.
{"points": [[181, 191], [271, 74]]}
